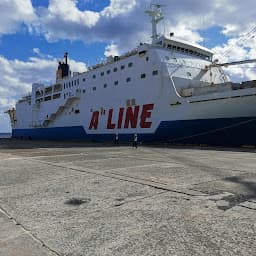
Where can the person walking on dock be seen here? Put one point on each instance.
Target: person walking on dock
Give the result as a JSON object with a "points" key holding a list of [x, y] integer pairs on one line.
{"points": [[116, 139], [135, 141]]}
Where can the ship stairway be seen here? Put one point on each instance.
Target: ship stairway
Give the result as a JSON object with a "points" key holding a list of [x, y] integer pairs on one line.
{"points": [[60, 109]]}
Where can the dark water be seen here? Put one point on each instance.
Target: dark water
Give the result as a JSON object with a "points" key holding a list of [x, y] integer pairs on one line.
{"points": [[5, 135]]}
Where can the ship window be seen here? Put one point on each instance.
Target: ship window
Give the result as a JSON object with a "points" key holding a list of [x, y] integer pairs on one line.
{"points": [[64, 96], [142, 76], [186, 50], [174, 47], [77, 81], [94, 76], [56, 96], [84, 79], [189, 74], [130, 64], [116, 82], [147, 58], [102, 73], [182, 49], [105, 85], [64, 86], [155, 73], [128, 103], [178, 48], [122, 67], [77, 111], [94, 88], [108, 72], [84, 91], [133, 102], [190, 51], [115, 69], [72, 83], [128, 79], [47, 98]]}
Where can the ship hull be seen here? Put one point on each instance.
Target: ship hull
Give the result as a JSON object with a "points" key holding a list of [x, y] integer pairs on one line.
{"points": [[221, 131]]}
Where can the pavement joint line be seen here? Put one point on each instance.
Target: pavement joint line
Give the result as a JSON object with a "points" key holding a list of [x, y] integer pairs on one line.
{"points": [[134, 180], [123, 175], [27, 232], [247, 207]]}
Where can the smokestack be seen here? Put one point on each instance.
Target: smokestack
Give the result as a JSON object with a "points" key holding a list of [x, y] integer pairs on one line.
{"points": [[66, 58]]}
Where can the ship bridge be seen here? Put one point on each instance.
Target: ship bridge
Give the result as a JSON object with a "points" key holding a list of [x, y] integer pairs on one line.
{"points": [[184, 47]]}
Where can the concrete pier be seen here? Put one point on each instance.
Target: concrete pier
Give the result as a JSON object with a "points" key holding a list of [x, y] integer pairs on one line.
{"points": [[71, 198]]}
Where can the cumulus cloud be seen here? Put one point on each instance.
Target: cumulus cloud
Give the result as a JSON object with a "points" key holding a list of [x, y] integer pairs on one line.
{"points": [[111, 50], [14, 13]]}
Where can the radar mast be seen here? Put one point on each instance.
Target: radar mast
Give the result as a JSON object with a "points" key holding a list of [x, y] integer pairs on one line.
{"points": [[156, 16]]}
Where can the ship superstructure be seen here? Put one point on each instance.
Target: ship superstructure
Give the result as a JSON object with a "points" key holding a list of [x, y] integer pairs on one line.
{"points": [[169, 90]]}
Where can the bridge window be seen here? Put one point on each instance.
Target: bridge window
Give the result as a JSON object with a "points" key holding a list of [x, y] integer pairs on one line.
{"points": [[155, 73]]}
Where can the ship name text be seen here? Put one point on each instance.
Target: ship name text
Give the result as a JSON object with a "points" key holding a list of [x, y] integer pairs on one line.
{"points": [[126, 118]]}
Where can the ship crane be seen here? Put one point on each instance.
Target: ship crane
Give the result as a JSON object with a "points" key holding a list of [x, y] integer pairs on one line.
{"points": [[215, 64]]}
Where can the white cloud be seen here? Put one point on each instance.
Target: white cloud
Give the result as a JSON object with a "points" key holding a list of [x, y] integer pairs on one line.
{"points": [[111, 50], [118, 8], [14, 13]]}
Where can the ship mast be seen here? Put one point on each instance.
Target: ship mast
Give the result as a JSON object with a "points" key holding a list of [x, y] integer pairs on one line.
{"points": [[156, 16]]}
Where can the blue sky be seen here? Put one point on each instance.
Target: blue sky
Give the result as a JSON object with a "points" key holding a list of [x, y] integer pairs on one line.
{"points": [[35, 34]]}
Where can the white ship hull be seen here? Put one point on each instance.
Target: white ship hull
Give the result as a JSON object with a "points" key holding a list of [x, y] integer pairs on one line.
{"points": [[168, 91]]}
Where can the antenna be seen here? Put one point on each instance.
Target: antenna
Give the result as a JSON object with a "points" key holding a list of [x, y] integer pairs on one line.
{"points": [[156, 16]]}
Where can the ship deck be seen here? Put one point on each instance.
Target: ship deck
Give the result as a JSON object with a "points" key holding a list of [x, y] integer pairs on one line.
{"points": [[71, 198]]}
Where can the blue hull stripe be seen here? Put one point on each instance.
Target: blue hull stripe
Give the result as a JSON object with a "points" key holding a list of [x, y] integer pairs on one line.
{"points": [[223, 131]]}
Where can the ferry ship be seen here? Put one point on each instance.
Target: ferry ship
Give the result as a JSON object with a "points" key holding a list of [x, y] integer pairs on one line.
{"points": [[168, 90]]}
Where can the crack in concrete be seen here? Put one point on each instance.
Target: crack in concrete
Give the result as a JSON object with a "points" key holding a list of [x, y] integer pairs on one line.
{"points": [[27, 231]]}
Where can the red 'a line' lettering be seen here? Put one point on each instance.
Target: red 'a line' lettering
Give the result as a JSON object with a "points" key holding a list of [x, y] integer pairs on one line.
{"points": [[131, 117], [120, 118], [94, 120], [110, 124], [146, 113]]}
